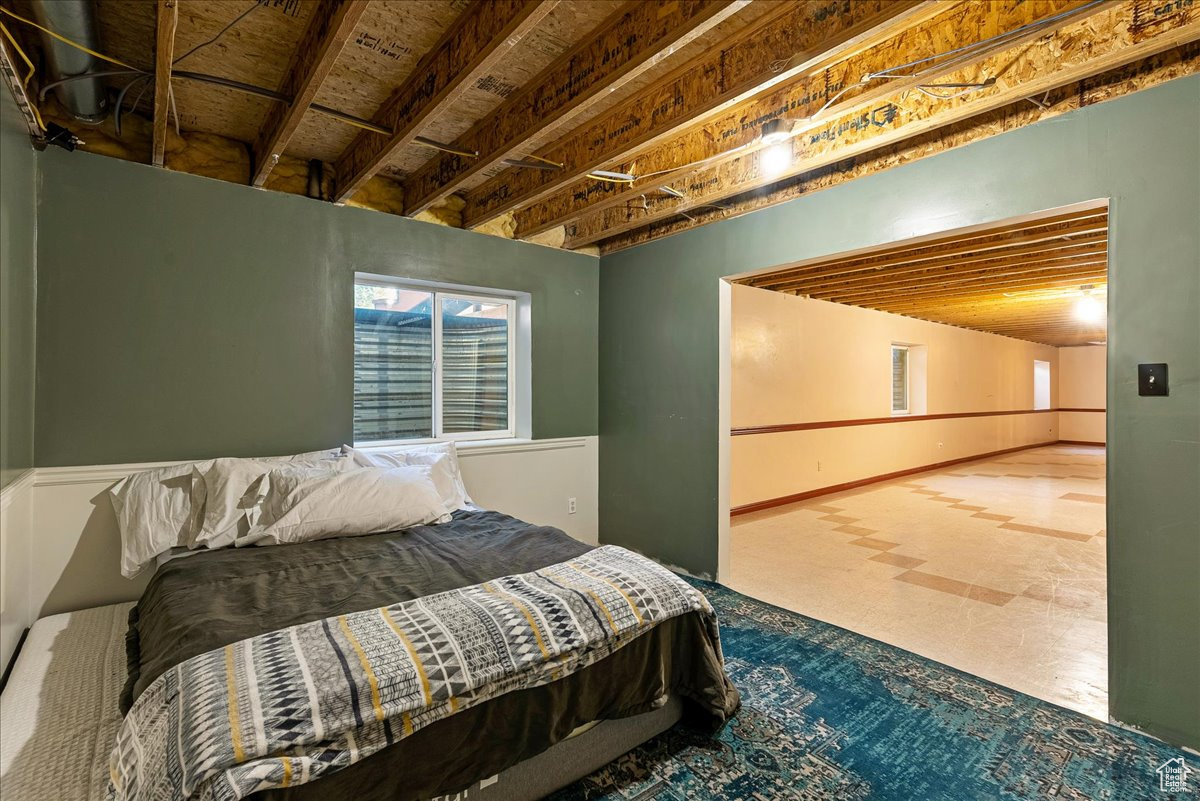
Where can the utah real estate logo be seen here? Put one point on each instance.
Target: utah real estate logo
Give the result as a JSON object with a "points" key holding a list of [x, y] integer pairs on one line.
{"points": [[1172, 775]]}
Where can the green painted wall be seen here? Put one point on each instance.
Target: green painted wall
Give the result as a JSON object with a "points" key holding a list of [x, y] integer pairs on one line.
{"points": [[180, 317], [659, 357], [18, 231]]}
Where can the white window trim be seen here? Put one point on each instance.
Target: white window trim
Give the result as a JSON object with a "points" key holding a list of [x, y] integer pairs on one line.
{"points": [[907, 381], [440, 292]]}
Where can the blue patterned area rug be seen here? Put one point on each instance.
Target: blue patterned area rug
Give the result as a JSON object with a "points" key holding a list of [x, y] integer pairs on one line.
{"points": [[830, 714]]}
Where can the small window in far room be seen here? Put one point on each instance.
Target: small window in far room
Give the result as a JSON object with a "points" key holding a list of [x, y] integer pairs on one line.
{"points": [[899, 379], [432, 364], [1041, 385]]}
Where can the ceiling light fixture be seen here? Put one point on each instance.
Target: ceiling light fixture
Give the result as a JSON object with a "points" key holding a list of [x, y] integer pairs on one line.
{"points": [[1087, 308], [774, 132], [775, 159], [777, 156]]}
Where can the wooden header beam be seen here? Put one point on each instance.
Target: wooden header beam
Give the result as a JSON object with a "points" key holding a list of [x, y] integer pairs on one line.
{"points": [[167, 18], [1065, 57], [483, 35], [622, 49], [807, 103], [330, 27], [794, 39]]}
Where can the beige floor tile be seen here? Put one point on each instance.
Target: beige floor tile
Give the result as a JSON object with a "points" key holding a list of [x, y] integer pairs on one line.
{"points": [[996, 567]]}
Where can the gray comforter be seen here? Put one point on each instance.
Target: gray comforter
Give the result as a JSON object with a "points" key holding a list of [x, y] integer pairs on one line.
{"points": [[211, 599]]}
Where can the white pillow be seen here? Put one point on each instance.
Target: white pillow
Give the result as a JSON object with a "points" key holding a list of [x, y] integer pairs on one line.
{"points": [[223, 493], [302, 504], [443, 456], [153, 512]]}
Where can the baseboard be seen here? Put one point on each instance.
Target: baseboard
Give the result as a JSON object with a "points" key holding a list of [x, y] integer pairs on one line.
{"points": [[771, 503], [1080, 442]]}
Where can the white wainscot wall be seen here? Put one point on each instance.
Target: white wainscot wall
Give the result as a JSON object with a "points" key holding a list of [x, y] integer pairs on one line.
{"points": [[61, 546]]}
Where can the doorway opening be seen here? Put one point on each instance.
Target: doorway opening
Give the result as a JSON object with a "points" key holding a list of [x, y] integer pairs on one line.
{"points": [[916, 447]]}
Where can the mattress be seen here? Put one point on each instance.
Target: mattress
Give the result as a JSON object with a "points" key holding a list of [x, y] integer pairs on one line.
{"points": [[60, 708], [60, 717]]}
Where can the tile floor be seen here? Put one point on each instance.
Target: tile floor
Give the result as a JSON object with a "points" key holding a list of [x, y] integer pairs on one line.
{"points": [[995, 567]]}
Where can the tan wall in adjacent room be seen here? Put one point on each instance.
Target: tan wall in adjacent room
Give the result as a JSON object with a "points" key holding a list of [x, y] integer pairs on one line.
{"points": [[1082, 381], [799, 361]]}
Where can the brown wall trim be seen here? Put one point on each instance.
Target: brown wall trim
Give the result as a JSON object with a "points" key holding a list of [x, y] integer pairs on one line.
{"points": [[901, 418], [771, 503], [1081, 442]]}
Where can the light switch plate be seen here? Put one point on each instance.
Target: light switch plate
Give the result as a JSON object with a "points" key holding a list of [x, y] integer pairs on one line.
{"points": [[1152, 379]]}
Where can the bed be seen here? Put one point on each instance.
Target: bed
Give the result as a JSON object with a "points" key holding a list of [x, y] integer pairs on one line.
{"points": [[519, 745]]}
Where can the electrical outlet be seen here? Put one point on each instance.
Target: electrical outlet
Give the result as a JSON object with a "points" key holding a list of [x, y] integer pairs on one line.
{"points": [[571, 506]]}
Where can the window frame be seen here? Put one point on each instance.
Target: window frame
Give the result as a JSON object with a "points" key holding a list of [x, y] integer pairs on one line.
{"points": [[907, 380], [439, 293]]}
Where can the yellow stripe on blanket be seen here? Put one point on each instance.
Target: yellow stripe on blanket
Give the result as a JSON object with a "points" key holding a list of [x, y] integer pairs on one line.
{"points": [[636, 612], [517, 602], [235, 725], [287, 771], [366, 666], [412, 653]]}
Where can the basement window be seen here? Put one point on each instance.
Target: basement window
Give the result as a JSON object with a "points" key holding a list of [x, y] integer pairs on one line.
{"points": [[432, 363], [900, 379]]}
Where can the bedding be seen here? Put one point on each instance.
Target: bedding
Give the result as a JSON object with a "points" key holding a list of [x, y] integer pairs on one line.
{"points": [[216, 598], [288, 707], [299, 504], [167, 508], [442, 456]]}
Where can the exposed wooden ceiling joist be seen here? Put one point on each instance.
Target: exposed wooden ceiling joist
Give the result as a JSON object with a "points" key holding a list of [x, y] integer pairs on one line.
{"points": [[167, 20], [842, 89], [952, 278], [1007, 278], [483, 35], [792, 40], [1152, 71], [1066, 255], [330, 26], [1027, 246], [628, 45], [1067, 56]]}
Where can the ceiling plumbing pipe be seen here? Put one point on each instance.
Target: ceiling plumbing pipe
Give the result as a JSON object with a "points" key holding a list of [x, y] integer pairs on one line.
{"points": [[85, 98]]}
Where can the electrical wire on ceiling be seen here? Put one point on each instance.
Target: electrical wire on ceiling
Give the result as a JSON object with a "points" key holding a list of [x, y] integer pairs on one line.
{"points": [[220, 33], [25, 83], [946, 61]]}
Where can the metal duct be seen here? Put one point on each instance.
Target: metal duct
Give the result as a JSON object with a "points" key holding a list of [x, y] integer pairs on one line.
{"points": [[75, 20]]}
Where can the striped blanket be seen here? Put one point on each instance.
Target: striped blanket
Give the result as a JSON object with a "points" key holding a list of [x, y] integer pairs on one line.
{"points": [[290, 706]]}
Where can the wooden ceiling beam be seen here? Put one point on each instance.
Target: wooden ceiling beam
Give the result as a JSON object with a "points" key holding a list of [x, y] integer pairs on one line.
{"points": [[167, 18], [993, 292], [951, 273], [805, 104], [1136, 76], [330, 27], [1030, 241], [949, 268], [980, 278], [1037, 248], [1094, 218], [1067, 56], [794, 39], [479, 38], [627, 45]]}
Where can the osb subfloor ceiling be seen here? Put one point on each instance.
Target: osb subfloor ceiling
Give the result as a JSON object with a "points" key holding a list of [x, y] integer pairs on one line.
{"points": [[498, 114], [1042, 278]]}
